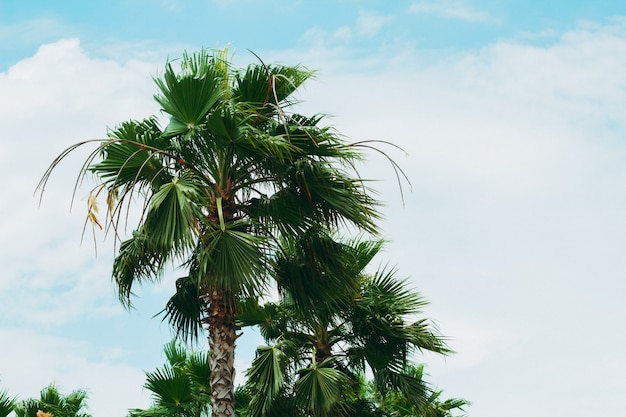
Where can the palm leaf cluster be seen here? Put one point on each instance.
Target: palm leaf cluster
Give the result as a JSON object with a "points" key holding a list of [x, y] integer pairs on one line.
{"points": [[316, 356]]}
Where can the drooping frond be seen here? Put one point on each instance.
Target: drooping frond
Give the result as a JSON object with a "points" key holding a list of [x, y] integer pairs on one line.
{"points": [[184, 308], [412, 387], [316, 271], [137, 261]]}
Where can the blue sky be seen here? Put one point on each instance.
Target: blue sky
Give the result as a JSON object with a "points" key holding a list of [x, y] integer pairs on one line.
{"points": [[274, 25], [512, 114]]}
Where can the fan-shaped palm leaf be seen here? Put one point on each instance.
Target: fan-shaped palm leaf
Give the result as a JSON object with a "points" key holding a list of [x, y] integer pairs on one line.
{"points": [[321, 388]]}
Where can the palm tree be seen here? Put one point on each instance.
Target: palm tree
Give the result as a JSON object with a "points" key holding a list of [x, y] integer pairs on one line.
{"points": [[230, 173], [315, 356], [181, 387], [52, 403], [7, 404]]}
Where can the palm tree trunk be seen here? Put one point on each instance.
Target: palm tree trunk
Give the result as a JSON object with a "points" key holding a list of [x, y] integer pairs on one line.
{"points": [[220, 319]]}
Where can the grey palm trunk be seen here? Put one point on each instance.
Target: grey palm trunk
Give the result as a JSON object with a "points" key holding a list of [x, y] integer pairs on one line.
{"points": [[219, 317]]}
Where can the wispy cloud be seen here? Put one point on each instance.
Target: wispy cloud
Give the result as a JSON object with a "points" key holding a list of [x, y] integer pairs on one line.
{"points": [[453, 9], [367, 25]]}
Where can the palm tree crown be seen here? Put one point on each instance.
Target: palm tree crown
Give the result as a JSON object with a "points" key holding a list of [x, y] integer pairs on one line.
{"points": [[230, 174]]}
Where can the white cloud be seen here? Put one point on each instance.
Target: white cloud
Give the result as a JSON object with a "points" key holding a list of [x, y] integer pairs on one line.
{"points": [[53, 99], [452, 9], [31, 361], [49, 280], [514, 229], [514, 226], [368, 25]]}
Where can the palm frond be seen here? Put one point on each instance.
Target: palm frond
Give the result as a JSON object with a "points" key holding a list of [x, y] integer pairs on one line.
{"points": [[7, 404], [175, 354], [232, 259], [411, 386], [321, 388], [169, 389], [172, 218], [332, 196], [184, 308], [189, 95], [317, 272], [269, 86], [268, 318], [266, 376], [137, 261]]}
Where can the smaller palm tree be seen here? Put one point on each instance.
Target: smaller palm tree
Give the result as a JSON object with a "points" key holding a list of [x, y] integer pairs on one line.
{"points": [[322, 337], [181, 387], [52, 403]]}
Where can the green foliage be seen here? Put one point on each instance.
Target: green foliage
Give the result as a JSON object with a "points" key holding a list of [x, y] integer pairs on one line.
{"points": [[399, 403], [224, 190], [52, 401], [230, 174], [181, 387], [7, 404], [355, 323]]}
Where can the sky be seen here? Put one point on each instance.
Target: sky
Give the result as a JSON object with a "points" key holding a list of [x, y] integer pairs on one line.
{"points": [[512, 116]]}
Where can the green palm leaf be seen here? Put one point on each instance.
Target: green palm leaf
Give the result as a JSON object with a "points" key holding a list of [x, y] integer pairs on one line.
{"points": [[232, 259], [136, 261], [52, 401], [321, 388], [184, 308], [169, 389], [268, 318], [268, 86], [190, 95], [129, 158], [172, 217], [7, 404], [267, 376]]}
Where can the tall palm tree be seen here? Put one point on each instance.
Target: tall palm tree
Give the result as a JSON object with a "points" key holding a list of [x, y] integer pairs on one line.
{"points": [[181, 387], [52, 403], [315, 356], [230, 173]]}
